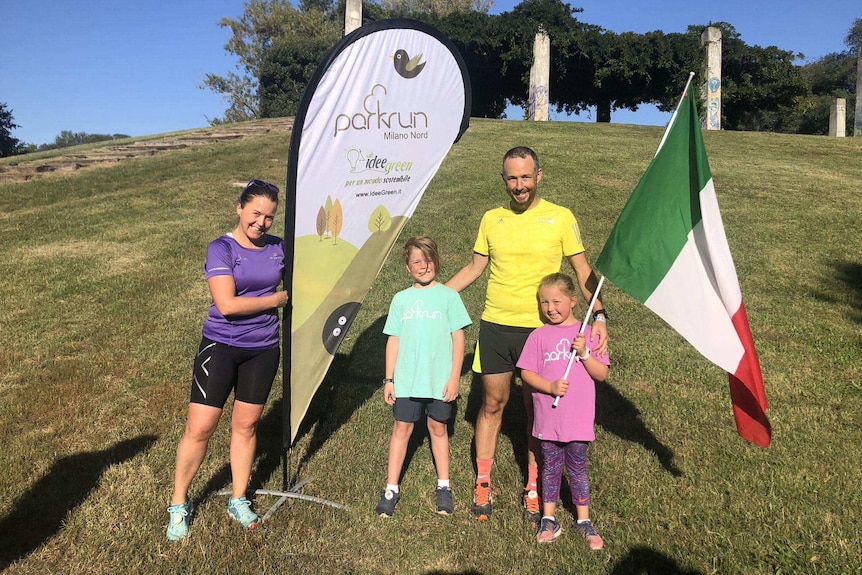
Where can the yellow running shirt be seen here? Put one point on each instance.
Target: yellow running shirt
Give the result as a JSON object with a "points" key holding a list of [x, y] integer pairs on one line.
{"points": [[523, 248]]}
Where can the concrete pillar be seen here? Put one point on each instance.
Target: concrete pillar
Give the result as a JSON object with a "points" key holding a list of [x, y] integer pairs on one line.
{"points": [[857, 119], [352, 16], [838, 117], [712, 89], [540, 78]]}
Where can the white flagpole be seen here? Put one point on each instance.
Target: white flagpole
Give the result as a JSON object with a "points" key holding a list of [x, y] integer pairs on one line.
{"points": [[583, 327], [675, 111]]}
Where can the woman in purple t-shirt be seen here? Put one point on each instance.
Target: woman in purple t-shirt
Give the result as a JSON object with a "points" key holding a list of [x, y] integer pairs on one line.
{"points": [[239, 352]]}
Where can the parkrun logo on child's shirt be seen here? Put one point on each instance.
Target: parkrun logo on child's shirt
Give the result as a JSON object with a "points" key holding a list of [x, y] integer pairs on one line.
{"points": [[416, 312], [563, 351]]}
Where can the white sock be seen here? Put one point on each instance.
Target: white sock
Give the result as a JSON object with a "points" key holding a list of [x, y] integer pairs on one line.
{"points": [[583, 520], [442, 483], [392, 488]]}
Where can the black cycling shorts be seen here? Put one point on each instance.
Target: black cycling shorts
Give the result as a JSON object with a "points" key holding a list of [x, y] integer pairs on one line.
{"points": [[220, 369]]}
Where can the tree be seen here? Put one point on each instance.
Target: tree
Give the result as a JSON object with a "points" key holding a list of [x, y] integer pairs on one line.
{"points": [[832, 76], [263, 25], [435, 7], [854, 36], [279, 46], [289, 64], [481, 40], [633, 69], [570, 66], [67, 138], [591, 66], [9, 146]]}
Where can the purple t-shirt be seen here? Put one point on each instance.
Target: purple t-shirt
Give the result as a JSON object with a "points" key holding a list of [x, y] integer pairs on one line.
{"points": [[547, 352], [256, 272]]}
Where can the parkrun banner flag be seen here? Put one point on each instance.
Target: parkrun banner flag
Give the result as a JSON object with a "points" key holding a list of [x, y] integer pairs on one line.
{"points": [[376, 121]]}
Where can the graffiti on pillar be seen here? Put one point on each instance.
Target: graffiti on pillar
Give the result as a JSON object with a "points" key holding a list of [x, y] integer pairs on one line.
{"points": [[713, 97], [537, 106]]}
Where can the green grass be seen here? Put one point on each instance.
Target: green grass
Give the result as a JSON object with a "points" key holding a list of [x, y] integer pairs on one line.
{"points": [[103, 301]]}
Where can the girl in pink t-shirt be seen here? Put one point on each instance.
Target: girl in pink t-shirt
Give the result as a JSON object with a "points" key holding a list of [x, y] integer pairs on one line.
{"points": [[564, 431]]}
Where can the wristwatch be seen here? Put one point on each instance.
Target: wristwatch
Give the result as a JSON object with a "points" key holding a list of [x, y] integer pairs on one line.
{"points": [[600, 313]]}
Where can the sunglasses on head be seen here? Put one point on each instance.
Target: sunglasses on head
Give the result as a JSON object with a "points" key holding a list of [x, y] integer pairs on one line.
{"points": [[254, 183]]}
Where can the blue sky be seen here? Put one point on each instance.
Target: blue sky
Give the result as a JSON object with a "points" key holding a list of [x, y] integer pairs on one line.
{"points": [[109, 67]]}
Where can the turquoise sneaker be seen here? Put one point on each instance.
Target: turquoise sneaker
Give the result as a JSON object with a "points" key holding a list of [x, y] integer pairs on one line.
{"points": [[181, 515], [240, 509]]}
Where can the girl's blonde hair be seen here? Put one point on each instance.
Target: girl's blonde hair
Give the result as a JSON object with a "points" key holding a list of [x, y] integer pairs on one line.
{"points": [[561, 281], [425, 245]]}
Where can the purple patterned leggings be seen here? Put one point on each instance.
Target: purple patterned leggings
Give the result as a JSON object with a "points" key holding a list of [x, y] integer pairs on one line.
{"points": [[574, 455]]}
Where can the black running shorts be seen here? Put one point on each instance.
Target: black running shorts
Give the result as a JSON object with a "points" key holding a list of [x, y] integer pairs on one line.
{"points": [[220, 369], [499, 347]]}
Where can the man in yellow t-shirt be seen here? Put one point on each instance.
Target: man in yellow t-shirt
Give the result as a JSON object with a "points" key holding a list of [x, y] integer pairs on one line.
{"points": [[523, 242]]}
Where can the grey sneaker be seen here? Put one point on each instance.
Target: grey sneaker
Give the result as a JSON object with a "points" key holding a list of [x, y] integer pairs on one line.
{"points": [[386, 506], [181, 516], [588, 530], [549, 530], [445, 502], [240, 509]]}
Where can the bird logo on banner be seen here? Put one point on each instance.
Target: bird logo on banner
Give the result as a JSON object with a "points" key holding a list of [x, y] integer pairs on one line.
{"points": [[406, 66]]}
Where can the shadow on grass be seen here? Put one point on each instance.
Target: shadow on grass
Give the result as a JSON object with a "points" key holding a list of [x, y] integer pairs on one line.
{"points": [[514, 425], [421, 434], [349, 382], [614, 412], [850, 273], [268, 449], [647, 561], [40, 512], [353, 379]]}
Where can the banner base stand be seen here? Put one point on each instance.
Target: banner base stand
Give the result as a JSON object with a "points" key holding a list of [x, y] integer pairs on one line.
{"points": [[283, 496]]}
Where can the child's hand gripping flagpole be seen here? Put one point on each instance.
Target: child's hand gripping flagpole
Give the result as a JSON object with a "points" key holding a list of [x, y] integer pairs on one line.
{"points": [[583, 326]]}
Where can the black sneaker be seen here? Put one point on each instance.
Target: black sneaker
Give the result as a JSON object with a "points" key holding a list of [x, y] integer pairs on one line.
{"points": [[388, 501], [445, 502], [482, 501]]}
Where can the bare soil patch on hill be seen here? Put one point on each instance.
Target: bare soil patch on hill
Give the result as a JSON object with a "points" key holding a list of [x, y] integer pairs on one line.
{"points": [[21, 168]]}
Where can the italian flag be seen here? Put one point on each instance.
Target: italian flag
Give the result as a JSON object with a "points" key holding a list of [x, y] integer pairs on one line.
{"points": [[668, 250]]}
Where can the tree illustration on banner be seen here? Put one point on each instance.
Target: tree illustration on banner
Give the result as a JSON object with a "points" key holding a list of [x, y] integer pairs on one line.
{"points": [[380, 220]]}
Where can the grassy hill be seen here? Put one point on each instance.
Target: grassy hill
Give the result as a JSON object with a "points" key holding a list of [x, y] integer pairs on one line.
{"points": [[103, 299]]}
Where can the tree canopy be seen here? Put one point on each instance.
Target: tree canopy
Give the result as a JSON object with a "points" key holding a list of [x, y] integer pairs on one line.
{"points": [[9, 146], [279, 46]]}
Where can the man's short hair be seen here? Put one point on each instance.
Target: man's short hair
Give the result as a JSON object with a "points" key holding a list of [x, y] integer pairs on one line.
{"points": [[521, 152]]}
